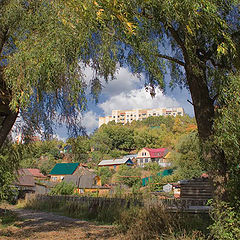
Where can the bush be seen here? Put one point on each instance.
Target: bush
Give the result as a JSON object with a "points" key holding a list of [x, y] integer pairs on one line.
{"points": [[63, 188], [153, 221], [226, 224], [146, 222]]}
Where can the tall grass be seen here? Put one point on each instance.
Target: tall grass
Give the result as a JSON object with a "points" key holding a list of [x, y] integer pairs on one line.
{"points": [[102, 212], [154, 222]]}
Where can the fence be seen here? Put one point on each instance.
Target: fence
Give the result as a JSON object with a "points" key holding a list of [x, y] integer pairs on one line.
{"points": [[186, 205], [90, 200]]}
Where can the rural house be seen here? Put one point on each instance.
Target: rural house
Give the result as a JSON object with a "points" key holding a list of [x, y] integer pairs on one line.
{"points": [[60, 170], [24, 182], [132, 157], [158, 155], [115, 163], [87, 182]]}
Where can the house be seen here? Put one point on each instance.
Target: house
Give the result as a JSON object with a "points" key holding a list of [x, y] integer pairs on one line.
{"points": [[25, 182], [31, 172], [132, 157], [60, 170], [35, 173], [87, 182], [158, 155], [115, 163]]}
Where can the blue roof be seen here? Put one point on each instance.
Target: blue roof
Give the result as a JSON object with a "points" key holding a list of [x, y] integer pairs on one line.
{"points": [[64, 168]]}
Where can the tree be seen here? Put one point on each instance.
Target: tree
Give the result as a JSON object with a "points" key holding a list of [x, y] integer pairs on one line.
{"points": [[105, 174], [42, 43], [227, 137], [9, 162], [204, 39], [187, 158], [80, 148], [129, 176]]}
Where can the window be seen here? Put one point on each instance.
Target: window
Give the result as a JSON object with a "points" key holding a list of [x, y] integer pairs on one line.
{"points": [[141, 160], [154, 114], [146, 160], [114, 167]]}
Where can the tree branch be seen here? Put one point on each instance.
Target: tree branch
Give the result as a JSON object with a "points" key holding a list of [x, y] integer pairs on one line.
{"points": [[7, 126], [171, 59], [3, 39]]}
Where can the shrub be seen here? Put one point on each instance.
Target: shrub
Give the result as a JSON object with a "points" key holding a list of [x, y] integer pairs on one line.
{"points": [[63, 188], [146, 222], [226, 224]]}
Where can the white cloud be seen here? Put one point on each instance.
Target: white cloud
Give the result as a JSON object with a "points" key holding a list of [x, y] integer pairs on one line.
{"points": [[135, 99], [57, 136], [125, 81], [90, 121]]}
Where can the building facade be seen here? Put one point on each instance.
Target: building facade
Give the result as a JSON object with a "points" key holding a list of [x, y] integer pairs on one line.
{"points": [[157, 155], [127, 116]]}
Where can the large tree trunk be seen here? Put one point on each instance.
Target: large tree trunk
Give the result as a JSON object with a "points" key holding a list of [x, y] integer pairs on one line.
{"points": [[6, 126], [7, 116], [204, 113]]}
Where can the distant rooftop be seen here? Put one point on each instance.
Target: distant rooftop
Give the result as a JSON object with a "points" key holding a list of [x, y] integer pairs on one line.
{"points": [[64, 168], [113, 162]]}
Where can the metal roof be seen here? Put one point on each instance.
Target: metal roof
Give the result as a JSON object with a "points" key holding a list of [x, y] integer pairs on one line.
{"points": [[113, 162], [64, 168], [130, 156]]}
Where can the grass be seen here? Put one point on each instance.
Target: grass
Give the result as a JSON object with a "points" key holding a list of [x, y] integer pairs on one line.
{"points": [[154, 222], [135, 222], [103, 213]]}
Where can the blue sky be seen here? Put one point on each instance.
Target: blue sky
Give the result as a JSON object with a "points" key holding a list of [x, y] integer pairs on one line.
{"points": [[128, 92]]}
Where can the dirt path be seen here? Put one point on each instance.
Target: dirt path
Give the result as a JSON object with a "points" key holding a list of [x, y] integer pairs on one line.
{"points": [[43, 225]]}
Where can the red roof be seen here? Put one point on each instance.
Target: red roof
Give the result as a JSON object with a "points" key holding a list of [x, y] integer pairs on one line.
{"points": [[157, 152], [30, 172], [36, 172]]}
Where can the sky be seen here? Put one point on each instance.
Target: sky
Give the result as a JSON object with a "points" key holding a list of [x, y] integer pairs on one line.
{"points": [[127, 92]]}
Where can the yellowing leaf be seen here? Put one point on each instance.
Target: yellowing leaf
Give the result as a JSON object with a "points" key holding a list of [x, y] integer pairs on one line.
{"points": [[189, 30]]}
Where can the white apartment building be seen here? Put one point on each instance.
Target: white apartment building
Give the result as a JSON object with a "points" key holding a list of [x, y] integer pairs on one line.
{"points": [[127, 116]]}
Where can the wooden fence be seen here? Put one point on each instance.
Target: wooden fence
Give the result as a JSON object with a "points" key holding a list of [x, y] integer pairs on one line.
{"points": [[186, 205], [82, 199]]}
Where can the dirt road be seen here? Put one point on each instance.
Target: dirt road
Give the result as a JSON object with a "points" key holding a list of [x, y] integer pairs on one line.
{"points": [[42, 225]]}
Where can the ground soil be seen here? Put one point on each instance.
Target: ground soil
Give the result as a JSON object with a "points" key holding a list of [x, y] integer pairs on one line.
{"points": [[44, 225]]}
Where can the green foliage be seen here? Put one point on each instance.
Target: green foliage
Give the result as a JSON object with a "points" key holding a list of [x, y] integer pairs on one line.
{"points": [[42, 155], [105, 174], [129, 176], [187, 157], [153, 222], [153, 167], [63, 188], [9, 162], [226, 224], [80, 148], [227, 136]]}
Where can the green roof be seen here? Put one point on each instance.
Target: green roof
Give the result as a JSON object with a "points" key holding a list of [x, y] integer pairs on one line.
{"points": [[64, 168]]}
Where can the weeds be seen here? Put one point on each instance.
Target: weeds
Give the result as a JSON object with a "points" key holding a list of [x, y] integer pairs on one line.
{"points": [[102, 212], [154, 222]]}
